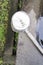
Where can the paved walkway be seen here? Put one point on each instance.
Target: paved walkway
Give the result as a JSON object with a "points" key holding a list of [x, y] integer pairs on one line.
{"points": [[27, 53]]}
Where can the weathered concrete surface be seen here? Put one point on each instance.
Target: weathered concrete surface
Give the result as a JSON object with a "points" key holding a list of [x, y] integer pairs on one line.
{"points": [[27, 53], [32, 4]]}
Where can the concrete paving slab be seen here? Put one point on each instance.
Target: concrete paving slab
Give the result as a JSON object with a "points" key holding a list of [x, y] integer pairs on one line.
{"points": [[27, 53]]}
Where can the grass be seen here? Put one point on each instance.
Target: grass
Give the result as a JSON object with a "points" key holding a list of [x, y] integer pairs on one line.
{"points": [[2, 37], [2, 32], [1, 61], [4, 13]]}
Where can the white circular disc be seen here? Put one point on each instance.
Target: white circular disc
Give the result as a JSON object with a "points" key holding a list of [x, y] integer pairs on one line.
{"points": [[20, 21]]}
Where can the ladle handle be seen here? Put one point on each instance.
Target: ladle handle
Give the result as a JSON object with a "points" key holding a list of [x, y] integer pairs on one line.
{"points": [[34, 41]]}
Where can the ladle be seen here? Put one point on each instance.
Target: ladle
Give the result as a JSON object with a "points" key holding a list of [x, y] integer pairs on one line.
{"points": [[20, 22]]}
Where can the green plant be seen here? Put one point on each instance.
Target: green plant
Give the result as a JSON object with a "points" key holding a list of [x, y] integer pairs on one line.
{"points": [[19, 6], [1, 61], [4, 13]]}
